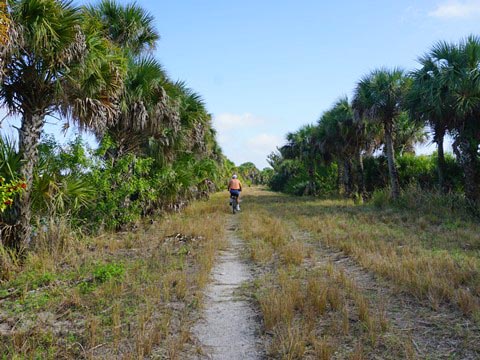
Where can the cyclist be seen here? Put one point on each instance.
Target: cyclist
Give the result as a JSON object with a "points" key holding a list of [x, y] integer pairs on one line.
{"points": [[235, 186]]}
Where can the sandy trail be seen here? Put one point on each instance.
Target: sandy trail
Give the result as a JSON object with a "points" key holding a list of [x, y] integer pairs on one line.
{"points": [[229, 328]]}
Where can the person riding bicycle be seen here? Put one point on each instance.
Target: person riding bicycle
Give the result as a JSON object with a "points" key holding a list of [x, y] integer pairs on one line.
{"points": [[235, 187]]}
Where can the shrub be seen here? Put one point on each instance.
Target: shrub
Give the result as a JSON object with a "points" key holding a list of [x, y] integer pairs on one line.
{"points": [[8, 191]]}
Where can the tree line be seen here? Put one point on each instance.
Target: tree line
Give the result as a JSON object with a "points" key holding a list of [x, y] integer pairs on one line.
{"points": [[391, 111], [93, 67]]}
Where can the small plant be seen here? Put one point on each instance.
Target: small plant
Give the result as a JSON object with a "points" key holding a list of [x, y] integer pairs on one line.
{"points": [[8, 191], [103, 273], [381, 198], [293, 253]]}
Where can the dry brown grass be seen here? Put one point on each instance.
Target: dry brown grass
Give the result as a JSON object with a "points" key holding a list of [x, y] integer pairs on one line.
{"points": [[433, 258], [127, 295], [307, 302], [437, 276], [304, 304]]}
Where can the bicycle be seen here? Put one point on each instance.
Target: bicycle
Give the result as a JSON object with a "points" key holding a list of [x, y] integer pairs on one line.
{"points": [[234, 201]]}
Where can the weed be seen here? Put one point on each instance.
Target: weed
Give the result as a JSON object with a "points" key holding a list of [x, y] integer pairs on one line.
{"points": [[323, 348], [292, 253], [105, 272]]}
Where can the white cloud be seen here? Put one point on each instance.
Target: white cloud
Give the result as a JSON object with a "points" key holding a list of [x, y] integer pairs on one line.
{"points": [[247, 137], [264, 143], [457, 9], [228, 121]]}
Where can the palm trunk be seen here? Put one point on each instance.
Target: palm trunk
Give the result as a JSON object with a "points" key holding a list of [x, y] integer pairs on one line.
{"points": [[466, 156], [311, 181], [347, 177], [361, 175], [29, 137], [339, 178], [392, 167], [439, 137]]}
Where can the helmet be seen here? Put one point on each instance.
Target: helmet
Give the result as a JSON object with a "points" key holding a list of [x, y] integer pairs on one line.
{"points": [[234, 176]]}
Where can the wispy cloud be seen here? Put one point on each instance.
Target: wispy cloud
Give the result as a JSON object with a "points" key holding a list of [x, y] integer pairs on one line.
{"points": [[264, 143], [228, 121], [247, 137], [457, 9]]}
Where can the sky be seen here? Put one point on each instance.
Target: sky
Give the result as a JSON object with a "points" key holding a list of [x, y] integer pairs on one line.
{"points": [[266, 68]]}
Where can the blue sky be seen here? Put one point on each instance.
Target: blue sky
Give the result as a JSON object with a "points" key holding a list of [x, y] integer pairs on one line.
{"points": [[268, 67]]}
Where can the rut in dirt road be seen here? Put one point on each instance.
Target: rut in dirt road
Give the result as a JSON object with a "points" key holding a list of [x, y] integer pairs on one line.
{"points": [[229, 328]]}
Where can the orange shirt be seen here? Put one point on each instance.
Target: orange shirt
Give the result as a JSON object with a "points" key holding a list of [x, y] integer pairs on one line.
{"points": [[234, 184]]}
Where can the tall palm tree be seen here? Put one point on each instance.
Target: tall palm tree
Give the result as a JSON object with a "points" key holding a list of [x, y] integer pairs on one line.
{"points": [[458, 69], [145, 108], [59, 64], [343, 139], [378, 98], [301, 146], [129, 26], [193, 133], [429, 102]]}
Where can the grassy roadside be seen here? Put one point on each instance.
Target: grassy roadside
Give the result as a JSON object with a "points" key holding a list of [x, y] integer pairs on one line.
{"points": [[434, 257], [313, 309], [124, 295]]}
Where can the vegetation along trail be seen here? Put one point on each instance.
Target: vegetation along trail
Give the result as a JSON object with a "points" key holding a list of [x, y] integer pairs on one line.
{"points": [[335, 280]]}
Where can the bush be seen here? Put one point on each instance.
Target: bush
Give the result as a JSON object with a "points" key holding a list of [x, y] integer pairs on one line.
{"points": [[413, 169], [433, 202], [291, 177]]}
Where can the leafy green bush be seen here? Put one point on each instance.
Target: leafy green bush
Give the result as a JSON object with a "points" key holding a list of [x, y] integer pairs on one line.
{"points": [[8, 191], [413, 169], [420, 170], [291, 177], [431, 202]]}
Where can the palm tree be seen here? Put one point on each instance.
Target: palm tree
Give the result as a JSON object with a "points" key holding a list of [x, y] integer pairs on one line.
{"points": [[446, 94], [378, 98], [429, 102], [407, 133], [148, 116], [145, 108], [459, 78], [129, 26], [343, 139], [301, 146], [59, 65]]}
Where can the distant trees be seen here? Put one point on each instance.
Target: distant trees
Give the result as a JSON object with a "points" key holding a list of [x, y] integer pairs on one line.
{"points": [[390, 111], [249, 172], [301, 147]]}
